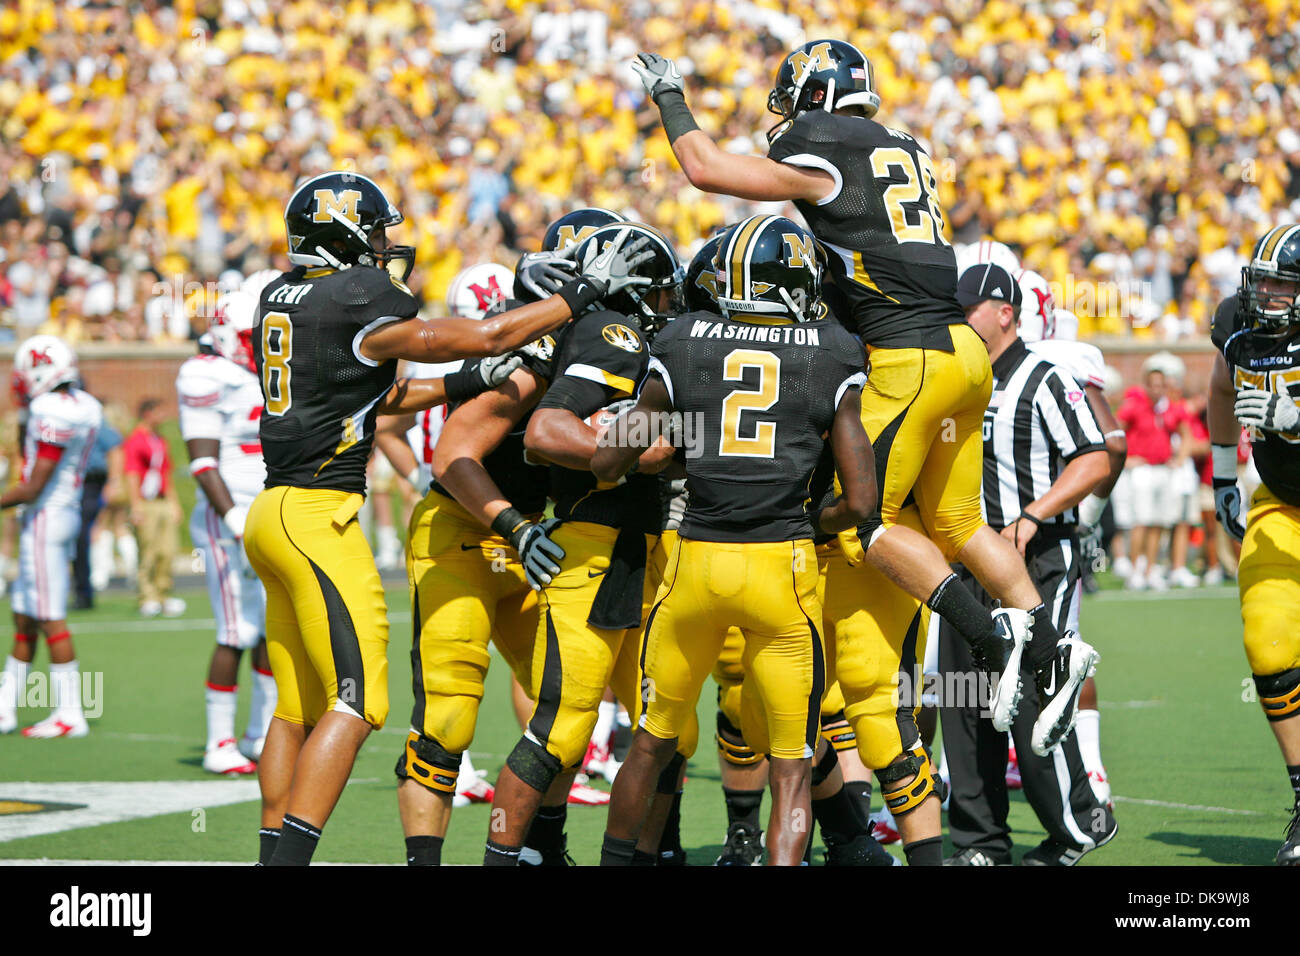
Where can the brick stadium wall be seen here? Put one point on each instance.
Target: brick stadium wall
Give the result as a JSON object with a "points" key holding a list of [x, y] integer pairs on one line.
{"points": [[126, 375]]}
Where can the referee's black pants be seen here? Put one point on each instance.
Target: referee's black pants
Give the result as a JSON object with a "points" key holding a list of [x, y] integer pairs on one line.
{"points": [[1056, 786]]}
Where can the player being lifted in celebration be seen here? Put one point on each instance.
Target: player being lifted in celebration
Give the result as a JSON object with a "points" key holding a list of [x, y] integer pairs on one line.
{"points": [[60, 433], [766, 384], [1256, 381], [869, 195], [326, 340], [220, 404]]}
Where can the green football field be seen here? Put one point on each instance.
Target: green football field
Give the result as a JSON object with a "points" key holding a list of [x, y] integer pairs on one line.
{"points": [[1196, 774]]}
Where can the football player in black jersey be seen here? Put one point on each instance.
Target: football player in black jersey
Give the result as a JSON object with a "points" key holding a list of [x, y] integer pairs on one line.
{"points": [[869, 195], [1256, 383], [325, 342], [594, 603], [767, 383]]}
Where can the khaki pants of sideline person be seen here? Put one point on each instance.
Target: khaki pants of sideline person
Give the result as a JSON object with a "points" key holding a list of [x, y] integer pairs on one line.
{"points": [[157, 538]]}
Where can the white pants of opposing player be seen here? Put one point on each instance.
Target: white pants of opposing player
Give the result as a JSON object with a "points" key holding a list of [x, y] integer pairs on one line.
{"points": [[47, 542], [238, 599]]}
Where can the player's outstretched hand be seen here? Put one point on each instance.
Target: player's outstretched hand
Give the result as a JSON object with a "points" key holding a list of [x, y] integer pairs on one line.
{"points": [[658, 74], [610, 269], [1227, 507], [494, 371], [539, 555], [542, 273], [1268, 410]]}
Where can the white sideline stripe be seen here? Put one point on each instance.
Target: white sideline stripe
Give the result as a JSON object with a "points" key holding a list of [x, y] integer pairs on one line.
{"points": [[1178, 594], [1197, 808], [127, 626]]}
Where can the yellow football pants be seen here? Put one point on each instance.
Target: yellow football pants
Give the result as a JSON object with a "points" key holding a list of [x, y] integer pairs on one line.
{"points": [[1269, 580]]}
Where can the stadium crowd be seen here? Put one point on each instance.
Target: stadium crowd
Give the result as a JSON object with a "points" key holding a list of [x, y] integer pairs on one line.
{"points": [[1129, 150]]}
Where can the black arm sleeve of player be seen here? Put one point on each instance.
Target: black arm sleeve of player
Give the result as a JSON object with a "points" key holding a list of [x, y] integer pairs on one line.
{"points": [[576, 395]]}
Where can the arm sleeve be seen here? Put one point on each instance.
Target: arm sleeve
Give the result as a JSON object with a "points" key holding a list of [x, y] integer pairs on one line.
{"points": [[1066, 417]]}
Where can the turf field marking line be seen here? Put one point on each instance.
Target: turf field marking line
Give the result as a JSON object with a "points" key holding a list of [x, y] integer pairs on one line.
{"points": [[1182, 594], [1189, 806]]}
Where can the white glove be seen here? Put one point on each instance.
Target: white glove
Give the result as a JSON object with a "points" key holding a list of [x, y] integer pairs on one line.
{"points": [[658, 74], [542, 273], [1227, 508], [497, 369], [610, 270], [235, 519], [1271, 411]]}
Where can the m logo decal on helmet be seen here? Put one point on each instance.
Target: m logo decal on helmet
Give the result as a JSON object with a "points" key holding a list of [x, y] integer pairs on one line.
{"points": [[41, 357], [488, 295], [815, 59], [801, 249], [621, 337], [329, 203], [571, 235]]}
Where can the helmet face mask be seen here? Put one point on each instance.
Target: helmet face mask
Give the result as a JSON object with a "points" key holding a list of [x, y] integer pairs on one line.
{"points": [[822, 75], [338, 219], [1271, 299], [769, 266]]}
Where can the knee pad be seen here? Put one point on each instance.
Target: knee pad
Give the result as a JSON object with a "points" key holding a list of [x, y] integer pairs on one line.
{"points": [[837, 732], [905, 797], [1279, 694], [825, 767], [427, 763], [735, 750], [534, 764]]}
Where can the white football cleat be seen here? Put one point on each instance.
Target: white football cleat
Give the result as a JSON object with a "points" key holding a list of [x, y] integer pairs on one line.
{"points": [[58, 725], [225, 759], [1183, 578], [883, 829], [1058, 691], [584, 796], [251, 747], [473, 788], [1213, 577], [1013, 629], [151, 608], [1100, 784], [173, 607]]}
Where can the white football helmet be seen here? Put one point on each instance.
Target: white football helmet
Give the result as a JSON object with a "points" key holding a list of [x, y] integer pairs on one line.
{"points": [[1067, 325], [986, 250], [258, 281], [477, 289], [42, 363], [1037, 307], [231, 328]]}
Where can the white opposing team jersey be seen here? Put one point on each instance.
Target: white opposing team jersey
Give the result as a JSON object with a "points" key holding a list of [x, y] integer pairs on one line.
{"points": [[67, 419], [1084, 362], [222, 400], [423, 436]]}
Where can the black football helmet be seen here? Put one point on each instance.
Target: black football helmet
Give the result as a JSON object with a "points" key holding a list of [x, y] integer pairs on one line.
{"points": [[769, 266], [1276, 260], [331, 220], [822, 75], [571, 229], [663, 269], [701, 286]]}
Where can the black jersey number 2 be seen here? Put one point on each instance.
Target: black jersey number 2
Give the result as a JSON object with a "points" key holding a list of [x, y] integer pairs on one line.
{"points": [[277, 350]]}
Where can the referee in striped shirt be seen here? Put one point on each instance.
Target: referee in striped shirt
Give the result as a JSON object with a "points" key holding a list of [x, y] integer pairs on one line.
{"points": [[1043, 453]]}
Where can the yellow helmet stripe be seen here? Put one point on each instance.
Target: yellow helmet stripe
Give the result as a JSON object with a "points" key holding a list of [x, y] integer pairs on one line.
{"points": [[1274, 241], [736, 258]]}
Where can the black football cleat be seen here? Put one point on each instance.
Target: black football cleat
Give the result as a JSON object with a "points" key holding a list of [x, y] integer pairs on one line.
{"points": [[744, 846], [861, 849], [972, 856], [1289, 854]]}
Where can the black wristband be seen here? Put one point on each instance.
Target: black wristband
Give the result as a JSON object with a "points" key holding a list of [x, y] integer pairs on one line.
{"points": [[676, 115], [579, 294], [464, 383], [1028, 517], [508, 522]]}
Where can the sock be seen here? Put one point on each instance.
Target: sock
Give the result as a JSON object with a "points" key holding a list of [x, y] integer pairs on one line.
{"points": [[497, 854], [101, 561], [1088, 726], [14, 683], [743, 806], [641, 858], [546, 834], [297, 843], [670, 842], [606, 714], [860, 793], [837, 815], [1042, 646], [221, 713], [262, 706], [267, 838], [65, 681], [924, 852], [616, 852], [1294, 773], [955, 604], [424, 851]]}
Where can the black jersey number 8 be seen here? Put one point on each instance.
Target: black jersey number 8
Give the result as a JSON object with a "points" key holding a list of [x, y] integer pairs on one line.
{"points": [[277, 350], [763, 442]]}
